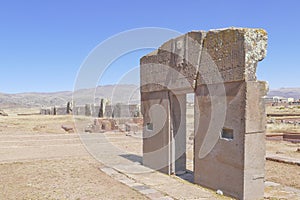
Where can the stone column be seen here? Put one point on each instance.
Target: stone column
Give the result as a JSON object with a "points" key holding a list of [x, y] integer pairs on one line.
{"points": [[102, 108]]}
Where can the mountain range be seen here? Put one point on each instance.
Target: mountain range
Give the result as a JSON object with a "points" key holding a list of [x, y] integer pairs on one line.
{"points": [[285, 92], [127, 94]]}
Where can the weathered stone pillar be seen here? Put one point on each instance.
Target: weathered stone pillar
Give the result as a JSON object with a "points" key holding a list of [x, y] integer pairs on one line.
{"points": [[69, 107], [88, 110], [156, 131], [101, 110]]}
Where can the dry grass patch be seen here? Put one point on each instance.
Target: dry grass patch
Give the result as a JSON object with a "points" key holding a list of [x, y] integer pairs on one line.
{"points": [[283, 128], [40, 123], [285, 174], [283, 110]]}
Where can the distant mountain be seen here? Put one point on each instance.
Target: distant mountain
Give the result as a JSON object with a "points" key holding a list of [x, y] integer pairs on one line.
{"points": [[127, 94], [285, 92], [115, 93]]}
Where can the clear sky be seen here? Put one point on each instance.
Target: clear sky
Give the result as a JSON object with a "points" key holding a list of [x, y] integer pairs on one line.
{"points": [[43, 43]]}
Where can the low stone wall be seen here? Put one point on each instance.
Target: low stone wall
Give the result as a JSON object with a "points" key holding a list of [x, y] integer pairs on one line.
{"points": [[110, 111]]}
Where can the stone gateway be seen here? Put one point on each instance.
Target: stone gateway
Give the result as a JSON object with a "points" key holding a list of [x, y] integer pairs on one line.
{"points": [[219, 68]]}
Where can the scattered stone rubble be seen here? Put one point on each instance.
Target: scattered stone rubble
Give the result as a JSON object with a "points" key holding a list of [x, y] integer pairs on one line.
{"points": [[2, 113], [68, 129], [295, 121], [131, 125]]}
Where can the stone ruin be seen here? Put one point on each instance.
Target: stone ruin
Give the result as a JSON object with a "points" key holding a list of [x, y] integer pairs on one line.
{"points": [[219, 68], [131, 126], [2, 113], [101, 111]]}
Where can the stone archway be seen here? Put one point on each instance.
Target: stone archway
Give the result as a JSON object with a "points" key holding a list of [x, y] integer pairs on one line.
{"points": [[219, 67]]}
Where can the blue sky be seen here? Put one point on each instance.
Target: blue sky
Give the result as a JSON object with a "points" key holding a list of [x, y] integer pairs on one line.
{"points": [[44, 43]]}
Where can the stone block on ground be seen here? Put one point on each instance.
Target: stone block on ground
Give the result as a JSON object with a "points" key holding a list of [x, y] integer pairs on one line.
{"points": [[131, 127]]}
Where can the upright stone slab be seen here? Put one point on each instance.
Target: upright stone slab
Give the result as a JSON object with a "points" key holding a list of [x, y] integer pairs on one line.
{"points": [[235, 163], [156, 131], [108, 111], [88, 110], [219, 66], [101, 109], [69, 107], [61, 110]]}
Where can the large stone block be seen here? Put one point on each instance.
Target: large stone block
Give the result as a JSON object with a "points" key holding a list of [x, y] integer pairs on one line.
{"points": [[240, 156], [79, 110], [200, 57], [61, 111], [174, 65], [254, 166], [231, 55], [219, 158], [255, 108]]}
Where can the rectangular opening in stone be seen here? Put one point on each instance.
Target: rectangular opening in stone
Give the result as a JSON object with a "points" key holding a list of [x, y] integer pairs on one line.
{"points": [[188, 173], [227, 134], [190, 117], [150, 126]]}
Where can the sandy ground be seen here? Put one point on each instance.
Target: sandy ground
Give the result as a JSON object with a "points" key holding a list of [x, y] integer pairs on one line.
{"points": [[39, 160], [283, 148], [295, 109], [284, 174], [67, 178]]}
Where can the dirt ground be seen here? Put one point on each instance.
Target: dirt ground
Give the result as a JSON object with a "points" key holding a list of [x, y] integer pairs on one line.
{"points": [[284, 174], [67, 178], [285, 148], [35, 124], [39, 160], [294, 109]]}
